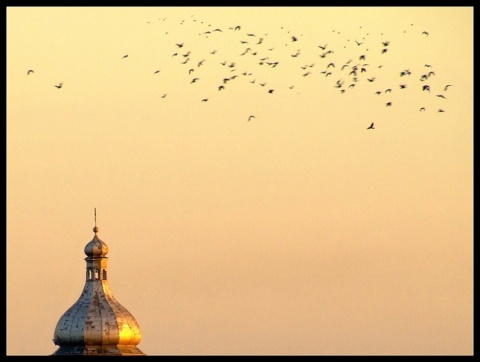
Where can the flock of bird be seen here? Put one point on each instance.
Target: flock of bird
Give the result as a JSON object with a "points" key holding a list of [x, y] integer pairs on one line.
{"points": [[320, 63]]}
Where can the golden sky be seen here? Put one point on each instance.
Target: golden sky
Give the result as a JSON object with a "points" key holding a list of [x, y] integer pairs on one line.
{"points": [[294, 232]]}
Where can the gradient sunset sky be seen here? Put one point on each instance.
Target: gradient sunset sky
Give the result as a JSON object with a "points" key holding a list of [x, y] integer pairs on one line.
{"points": [[297, 231]]}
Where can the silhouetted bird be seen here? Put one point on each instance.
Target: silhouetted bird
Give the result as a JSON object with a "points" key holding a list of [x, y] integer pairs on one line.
{"points": [[422, 109], [204, 99], [446, 87], [59, 85], [441, 96], [30, 71], [441, 110], [126, 55], [371, 126], [294, 38], [179, 45], [270, 91], [252, 116], [157, 71], [388, 104], [425, 32], [426, 87]]}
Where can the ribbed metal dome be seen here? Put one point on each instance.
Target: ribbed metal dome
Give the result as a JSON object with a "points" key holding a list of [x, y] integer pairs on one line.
{"points": [[96, 324], [96, 247]]}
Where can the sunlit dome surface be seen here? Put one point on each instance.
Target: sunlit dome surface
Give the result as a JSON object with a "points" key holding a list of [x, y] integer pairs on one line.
{"points": [[96, 323]]}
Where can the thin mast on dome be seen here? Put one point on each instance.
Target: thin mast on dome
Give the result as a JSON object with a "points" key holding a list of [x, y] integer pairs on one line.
{"points": [[95, 229]]}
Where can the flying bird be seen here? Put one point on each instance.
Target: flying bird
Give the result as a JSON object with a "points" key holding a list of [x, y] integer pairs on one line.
{"points": [[157, 71], [125, 56], [425, 32], [59, 85], [30, 71], [446, 87], [441, 96], [204, 99], [250, 118], [294, 38], [422, 109], [371, 126]]}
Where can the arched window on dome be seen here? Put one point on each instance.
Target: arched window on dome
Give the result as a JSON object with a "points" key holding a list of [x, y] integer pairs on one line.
{"points": [[97, 276]]}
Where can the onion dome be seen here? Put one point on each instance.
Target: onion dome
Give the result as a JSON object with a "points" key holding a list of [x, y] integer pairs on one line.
{"points": [[97, 324], [96, 247]]}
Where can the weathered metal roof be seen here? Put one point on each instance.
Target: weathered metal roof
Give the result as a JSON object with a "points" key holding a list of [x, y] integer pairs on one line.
{"points": [[96, 324]]}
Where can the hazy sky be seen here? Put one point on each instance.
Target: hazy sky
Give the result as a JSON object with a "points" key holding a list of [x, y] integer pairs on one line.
{"points": [[294, 232]]}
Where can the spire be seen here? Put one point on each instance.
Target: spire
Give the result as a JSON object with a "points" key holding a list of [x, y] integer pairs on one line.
{"points": [[97, 324], [95, 228]]}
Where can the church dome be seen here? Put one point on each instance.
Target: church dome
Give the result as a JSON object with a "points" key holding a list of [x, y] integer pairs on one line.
{"points": [[96, 247], [97, 324]]}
